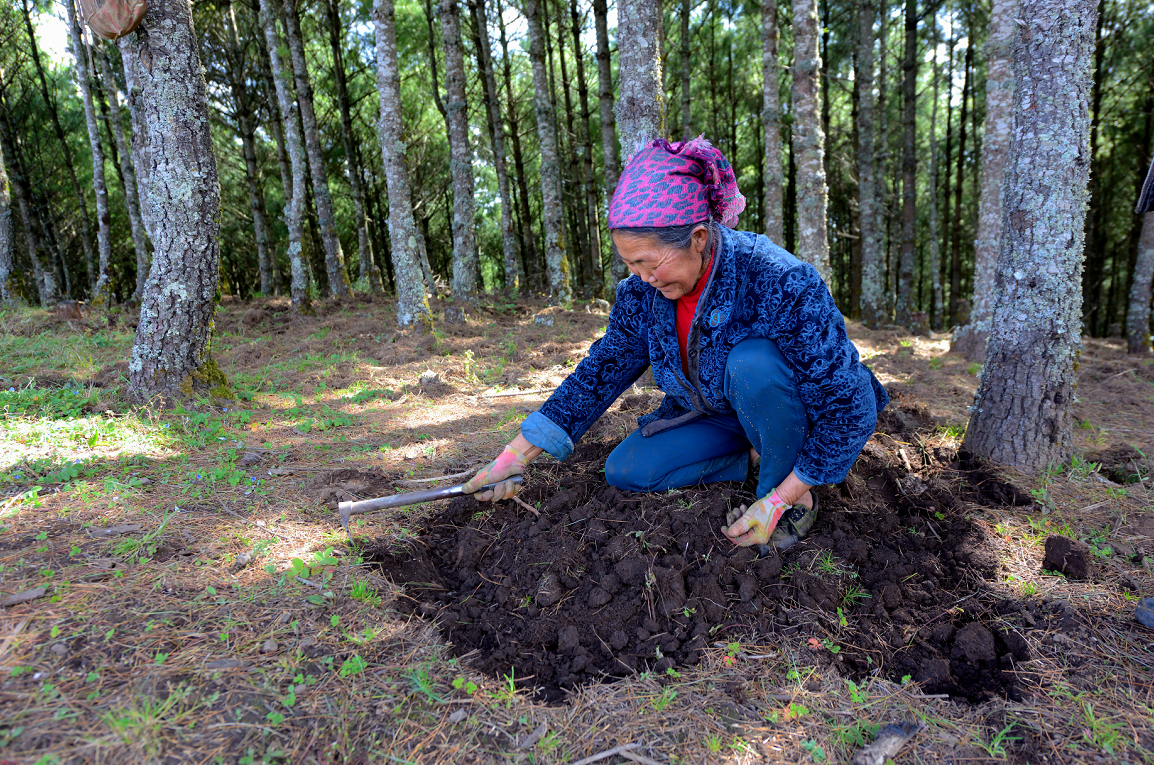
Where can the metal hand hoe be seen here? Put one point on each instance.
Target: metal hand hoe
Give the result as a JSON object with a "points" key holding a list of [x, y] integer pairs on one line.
{"points": [[349, 509]]}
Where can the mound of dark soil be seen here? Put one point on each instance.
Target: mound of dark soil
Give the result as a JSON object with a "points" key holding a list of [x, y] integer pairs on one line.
{"points": [[606, 583]]}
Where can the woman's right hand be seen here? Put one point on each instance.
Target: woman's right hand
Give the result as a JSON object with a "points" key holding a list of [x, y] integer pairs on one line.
{"points": [[510, 462]]}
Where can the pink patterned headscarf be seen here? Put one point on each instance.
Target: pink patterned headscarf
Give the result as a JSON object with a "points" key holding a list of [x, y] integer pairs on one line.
{"points": [[676, 184]]}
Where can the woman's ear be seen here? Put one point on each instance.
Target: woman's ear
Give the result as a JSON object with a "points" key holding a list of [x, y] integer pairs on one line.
{"points": [[700, 239]]}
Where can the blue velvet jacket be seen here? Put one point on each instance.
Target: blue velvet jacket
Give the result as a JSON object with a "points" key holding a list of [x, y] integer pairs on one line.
{"points": [[756, 289]]}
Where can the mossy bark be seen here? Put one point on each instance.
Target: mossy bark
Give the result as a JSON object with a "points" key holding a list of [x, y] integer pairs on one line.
{"points": [[809, 141], [873, 288], [181, 202], [1021, 412], [412, 302], [641, 105], [612, 164]]}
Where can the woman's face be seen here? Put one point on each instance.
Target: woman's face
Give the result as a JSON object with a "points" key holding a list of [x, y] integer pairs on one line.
{"points": [[673, 271]]}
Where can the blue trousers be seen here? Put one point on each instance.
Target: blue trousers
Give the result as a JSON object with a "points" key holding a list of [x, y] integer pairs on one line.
{"points": [[767, 414]]}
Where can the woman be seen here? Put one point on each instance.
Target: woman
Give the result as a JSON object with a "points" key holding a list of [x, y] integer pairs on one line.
{"points": [[743, 338]]}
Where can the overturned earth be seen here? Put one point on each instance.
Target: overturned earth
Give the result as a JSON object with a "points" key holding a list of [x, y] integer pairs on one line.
{"points": [[606, 583]]}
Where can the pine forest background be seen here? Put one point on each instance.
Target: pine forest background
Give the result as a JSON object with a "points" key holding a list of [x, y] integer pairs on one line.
{"points": [[711, 65]]}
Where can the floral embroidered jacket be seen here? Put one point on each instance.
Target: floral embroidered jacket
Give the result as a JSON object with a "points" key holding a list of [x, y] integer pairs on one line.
{"points": [[756, 289]]}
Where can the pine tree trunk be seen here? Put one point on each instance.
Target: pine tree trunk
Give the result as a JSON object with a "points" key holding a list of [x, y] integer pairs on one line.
{"points": [[958, 314], [1022, 412], [970, 340], [935, 240], [612, 166], [369, 273], [588, 175], [461, 168], [509, 245], [295, 199], [686, 70], [641, 106], [322, 197], [809, 141], [771, 123], [127, 174], [873, 292], [1138, 314], [50, 105], [237, 77], [579, 223], [43, 272], [556, 264], [533, 276], [7, 247], [906, 298], [1092, 276], [276, 119], [99, 284], [412, 303], [171, 356]]}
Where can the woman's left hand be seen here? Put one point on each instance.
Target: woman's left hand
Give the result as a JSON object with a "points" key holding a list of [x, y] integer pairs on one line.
{"points": [[753, 526]]}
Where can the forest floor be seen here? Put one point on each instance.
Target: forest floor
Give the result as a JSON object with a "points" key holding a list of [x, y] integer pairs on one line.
{"points": [[185, 592]]}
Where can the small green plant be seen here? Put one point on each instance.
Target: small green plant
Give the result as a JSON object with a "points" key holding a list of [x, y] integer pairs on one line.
{"points": [[853, 596], [997, 746], [856, 694], [831, 646], [354, 665], [1100, 731], [816, 751], [713, 743], [468, 686], [362, 593], [665, 699], [507, 691]]}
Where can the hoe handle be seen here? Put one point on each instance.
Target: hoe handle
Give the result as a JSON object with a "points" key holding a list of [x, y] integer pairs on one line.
{"points": [[349, 509]]}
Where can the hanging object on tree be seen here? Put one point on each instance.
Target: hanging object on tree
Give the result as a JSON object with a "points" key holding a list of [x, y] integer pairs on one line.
{"points": [[112, 19]]}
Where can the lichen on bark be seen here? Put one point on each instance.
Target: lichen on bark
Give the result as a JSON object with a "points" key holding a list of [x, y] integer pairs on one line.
{"points": [[809, 141], [1138, 316]]}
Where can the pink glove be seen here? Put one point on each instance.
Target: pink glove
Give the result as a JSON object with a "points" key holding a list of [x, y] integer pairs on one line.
{"points": [[753, 526], [510, 462]]}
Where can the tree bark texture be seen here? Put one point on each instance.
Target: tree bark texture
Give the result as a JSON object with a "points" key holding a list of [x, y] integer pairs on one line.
{"points": [[322, 197], [127, 174], [970, 340], [936, 302], [412, 302], [235, 61], [686, 69], [556, 263], [641, 105], [509, 245], [50, 105], [1138, 316], [907, 264], [369, 273], [7, 248], [276, 119], [612, 165], [957, 312], [809, 141], [771, 123], [460, 167], [99, 284], [532, 266], [1022, 409], [873, 288], [588, 174], [171, 356], [295, 200]]}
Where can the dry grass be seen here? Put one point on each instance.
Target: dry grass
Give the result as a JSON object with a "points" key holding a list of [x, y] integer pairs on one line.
{"points": [[152, 644]]}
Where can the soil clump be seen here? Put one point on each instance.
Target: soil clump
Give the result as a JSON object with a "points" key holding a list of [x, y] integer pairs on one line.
{"points": [[606, 583]]}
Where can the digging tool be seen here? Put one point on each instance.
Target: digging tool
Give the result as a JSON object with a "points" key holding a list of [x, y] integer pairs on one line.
{"points": [[349, 509]]}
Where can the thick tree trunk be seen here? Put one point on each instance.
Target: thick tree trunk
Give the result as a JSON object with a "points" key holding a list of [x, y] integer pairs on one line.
{"points": [[99, 284], [295, 199], [771, 123], [686, 83], [556, 264], [533, 275], [461, 168], [369, 273], [612, 165], [1138, 314], [509, 245], [809, 141], [235, 63], [50, 105], [957, 311], [1022, 409], [873, 292], [42, 268], [412, 302], [588, 176], [970, 340], [908, 262], [171, 356], [1095, 264], [641, 106], [127, 175], [7, 248], [322, 197]]}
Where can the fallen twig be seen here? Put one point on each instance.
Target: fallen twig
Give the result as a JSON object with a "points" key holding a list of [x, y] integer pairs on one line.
{"points": [[606, 754], [639, 758], [503, 394], [240, 517], [527, 506], [23, 597], [533, 737]]}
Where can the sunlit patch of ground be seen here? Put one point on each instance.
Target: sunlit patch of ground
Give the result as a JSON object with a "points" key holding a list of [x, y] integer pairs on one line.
{"points": [[201, 601]]}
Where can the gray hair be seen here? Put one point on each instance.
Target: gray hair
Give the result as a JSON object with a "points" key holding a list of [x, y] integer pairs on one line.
{"points": [[674, 236]]}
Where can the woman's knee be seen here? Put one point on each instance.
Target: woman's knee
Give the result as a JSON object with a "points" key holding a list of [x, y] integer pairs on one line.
{"points": [[623, 469]]}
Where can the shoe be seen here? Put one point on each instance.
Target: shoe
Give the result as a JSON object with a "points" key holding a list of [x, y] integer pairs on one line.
{"points": [[793, 526]]}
